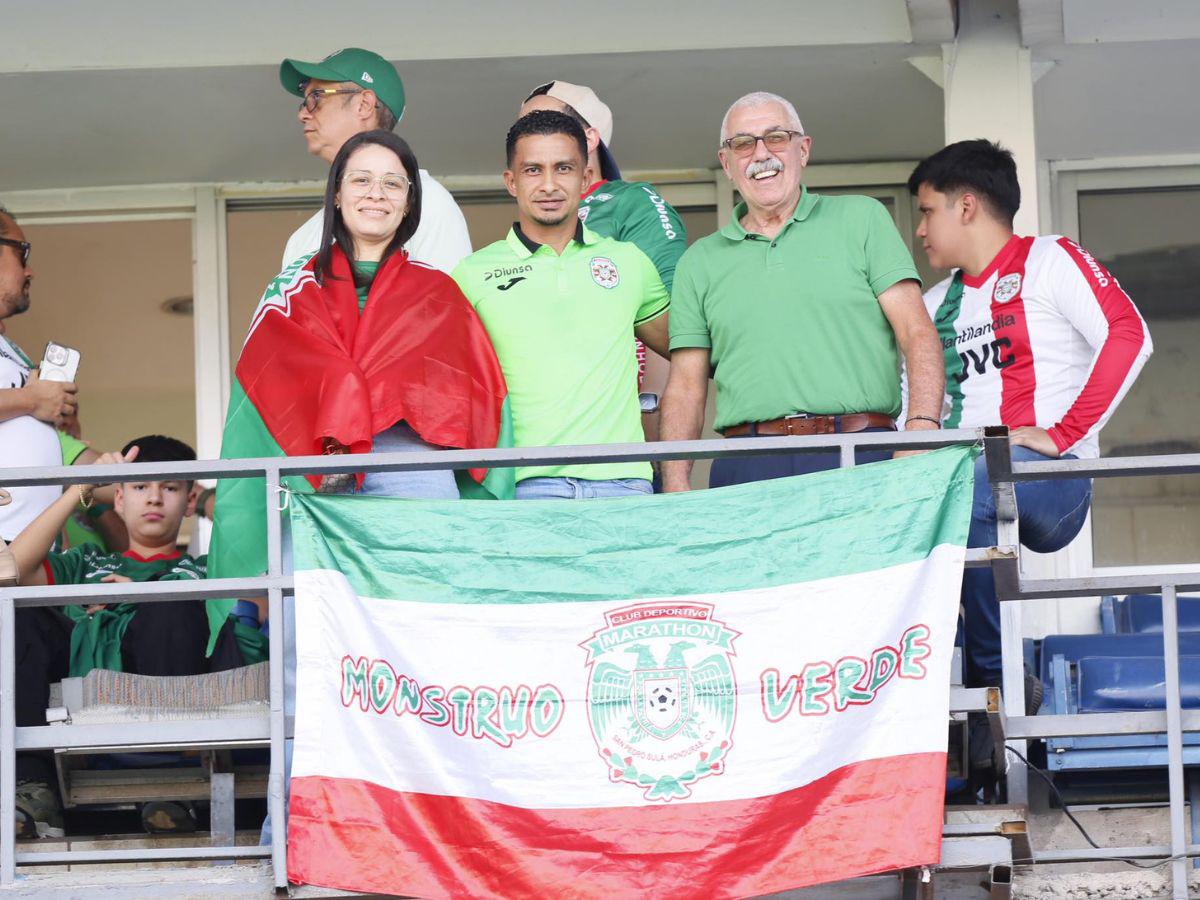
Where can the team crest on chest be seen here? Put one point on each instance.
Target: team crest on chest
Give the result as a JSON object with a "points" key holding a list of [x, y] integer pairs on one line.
{"points": [[604, 272], [1007, 288]]}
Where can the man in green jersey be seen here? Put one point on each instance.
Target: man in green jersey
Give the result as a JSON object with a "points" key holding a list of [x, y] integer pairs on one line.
{"points": [[627, 211], [800, 308], [146, 639], [561, 305]]}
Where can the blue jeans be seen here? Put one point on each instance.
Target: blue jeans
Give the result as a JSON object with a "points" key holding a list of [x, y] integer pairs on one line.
{"points": [[438, 485], [1051, 514], [563, 488], [743, 469]]}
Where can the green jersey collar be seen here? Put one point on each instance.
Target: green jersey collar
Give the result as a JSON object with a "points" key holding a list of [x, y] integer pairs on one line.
{"points": [[525, 247], [735, 232]]}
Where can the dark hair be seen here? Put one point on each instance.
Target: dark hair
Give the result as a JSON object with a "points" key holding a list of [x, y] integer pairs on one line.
{"points": [[6, 218], [980, 167], [385, 119], [335, 229], [160, 448], [568, 109], [545, 121]]}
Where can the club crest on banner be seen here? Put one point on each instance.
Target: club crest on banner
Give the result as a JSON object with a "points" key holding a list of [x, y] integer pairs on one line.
{"points": [[662, 696], [604, 272], [1007, 288]]}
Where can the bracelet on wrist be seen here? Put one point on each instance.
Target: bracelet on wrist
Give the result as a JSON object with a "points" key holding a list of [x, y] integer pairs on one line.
{"points": [[85, 496], [924, 419]]}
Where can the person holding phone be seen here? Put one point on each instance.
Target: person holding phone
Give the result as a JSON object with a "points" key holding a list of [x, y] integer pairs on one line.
{"points": [[30, 407], [39, 406]]}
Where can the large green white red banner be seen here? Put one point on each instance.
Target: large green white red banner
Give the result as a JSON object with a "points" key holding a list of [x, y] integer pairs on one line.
{"points": [[723, 693]]}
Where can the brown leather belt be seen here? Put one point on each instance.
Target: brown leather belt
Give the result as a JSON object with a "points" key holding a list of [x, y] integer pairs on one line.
{"points": [[806, 424]]}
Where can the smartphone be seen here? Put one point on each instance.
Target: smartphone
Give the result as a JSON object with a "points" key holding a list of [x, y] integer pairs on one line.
{"points": [[59, 363]]}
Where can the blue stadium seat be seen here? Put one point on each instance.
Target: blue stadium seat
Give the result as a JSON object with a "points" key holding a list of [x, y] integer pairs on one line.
{"points": [[1142, 614], [1114, 683], [1073, 647], [1123, 659], [1121, 670]]}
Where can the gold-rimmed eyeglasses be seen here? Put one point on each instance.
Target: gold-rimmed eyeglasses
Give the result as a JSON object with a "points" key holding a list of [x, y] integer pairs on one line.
{"points": [[360, 183], [774, 140]]}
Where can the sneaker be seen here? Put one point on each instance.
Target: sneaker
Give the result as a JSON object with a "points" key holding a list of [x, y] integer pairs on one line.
{"points": [[168, 817], [1035, 693], [38, 813]]}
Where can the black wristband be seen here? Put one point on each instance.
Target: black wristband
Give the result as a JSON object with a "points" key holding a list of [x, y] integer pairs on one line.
{"points": [[924, 419]]}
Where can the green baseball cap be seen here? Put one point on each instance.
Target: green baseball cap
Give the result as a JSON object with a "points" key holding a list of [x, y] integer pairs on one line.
{"points": [[366, 69]]}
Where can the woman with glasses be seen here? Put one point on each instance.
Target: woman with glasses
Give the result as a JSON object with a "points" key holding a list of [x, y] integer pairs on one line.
{"points": [[357, 349]]}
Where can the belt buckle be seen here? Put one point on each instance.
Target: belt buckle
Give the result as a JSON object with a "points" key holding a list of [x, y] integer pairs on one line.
{"points": [[795, 416]]}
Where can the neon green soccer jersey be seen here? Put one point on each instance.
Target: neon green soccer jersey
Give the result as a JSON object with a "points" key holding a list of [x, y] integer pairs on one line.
{"points": [[562, 327]]}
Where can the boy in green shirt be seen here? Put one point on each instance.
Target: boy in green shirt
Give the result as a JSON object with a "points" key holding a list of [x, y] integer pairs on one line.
{"points": [[145, 639]]}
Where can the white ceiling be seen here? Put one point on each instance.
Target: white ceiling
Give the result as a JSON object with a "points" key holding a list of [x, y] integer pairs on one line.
{"points": [[1122, 99], [55, 35], [142, 92], [1118, 21], [237, 124]]}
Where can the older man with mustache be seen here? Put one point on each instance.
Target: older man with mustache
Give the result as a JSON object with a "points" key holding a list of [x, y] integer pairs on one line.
{"points": [[799, 309]]}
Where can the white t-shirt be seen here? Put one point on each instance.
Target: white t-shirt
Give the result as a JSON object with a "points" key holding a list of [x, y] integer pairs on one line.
{"points": [[24, 441], [1044, 336], [441, 241]]}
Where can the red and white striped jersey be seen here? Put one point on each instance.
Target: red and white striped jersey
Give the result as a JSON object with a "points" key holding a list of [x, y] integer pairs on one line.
{"points": [[1044, 336]]}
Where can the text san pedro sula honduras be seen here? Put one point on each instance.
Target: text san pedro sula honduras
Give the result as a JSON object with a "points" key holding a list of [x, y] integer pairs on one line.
{"points": [[505, 714]]}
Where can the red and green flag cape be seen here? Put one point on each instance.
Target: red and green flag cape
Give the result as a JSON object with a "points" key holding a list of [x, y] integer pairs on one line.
{"points": [[315, 367]]}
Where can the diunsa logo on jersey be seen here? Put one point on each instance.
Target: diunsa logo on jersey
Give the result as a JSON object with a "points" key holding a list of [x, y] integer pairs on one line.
{"points": [[1007, 288], [604, 272]]}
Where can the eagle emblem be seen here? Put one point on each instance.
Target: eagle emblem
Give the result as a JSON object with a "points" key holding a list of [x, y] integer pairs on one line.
{"points": [[662, 697]]}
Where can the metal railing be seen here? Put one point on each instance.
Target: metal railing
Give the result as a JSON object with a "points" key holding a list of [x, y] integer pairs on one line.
{"points": [[273, 728], [1012, 586]]}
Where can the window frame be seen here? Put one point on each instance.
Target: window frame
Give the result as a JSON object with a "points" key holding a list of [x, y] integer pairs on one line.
{"points": [[1069, 179]]}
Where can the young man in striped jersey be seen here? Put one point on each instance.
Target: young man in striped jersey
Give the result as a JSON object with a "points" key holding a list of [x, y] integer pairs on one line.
{"points": [[1038, 336]]}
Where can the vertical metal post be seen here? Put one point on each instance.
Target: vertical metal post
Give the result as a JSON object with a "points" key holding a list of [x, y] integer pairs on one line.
{"points": [[1179, 841], [221, 827], [8, 739], [846, 455], [998, 453], [275, 790]]}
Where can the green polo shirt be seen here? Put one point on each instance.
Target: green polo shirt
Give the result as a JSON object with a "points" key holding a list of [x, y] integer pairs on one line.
{"points": [[794, 323], [562, 327]]}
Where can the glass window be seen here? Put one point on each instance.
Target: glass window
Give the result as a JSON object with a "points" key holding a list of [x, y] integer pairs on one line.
{"points": [[256, 238], [1150, 240]]}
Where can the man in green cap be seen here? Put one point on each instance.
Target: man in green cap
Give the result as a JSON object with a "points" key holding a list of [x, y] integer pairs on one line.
{"points": [[349, 92]]}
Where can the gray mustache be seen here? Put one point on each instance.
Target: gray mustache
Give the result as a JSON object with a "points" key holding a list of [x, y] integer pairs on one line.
{"points": [[763, 165]]}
